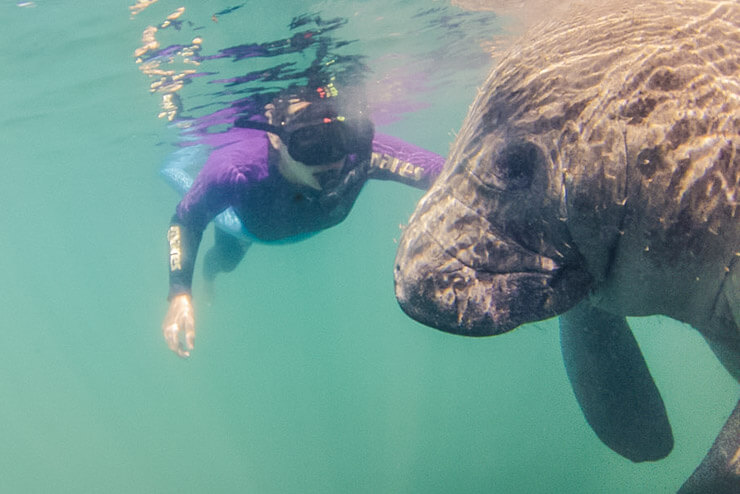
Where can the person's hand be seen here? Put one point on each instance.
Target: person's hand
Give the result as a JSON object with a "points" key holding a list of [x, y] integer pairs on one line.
{"points": [[179, 325]]}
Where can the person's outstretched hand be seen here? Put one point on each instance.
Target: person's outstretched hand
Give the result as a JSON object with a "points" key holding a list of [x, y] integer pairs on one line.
{"points": [[179, 325]]}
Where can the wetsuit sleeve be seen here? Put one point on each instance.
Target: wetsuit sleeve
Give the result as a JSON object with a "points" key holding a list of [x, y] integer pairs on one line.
{"points": [[183, 242], [222, 180], [395, 159], [201, 204]]}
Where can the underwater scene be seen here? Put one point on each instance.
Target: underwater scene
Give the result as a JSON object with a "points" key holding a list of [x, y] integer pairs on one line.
{"points": [[306, 376]]}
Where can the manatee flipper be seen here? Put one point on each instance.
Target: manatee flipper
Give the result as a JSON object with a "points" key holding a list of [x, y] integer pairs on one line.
{"points": [[613, 385], [719, 472]]}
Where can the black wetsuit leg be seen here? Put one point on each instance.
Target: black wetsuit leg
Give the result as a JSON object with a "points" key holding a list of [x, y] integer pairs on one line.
{"points": [[225, 255]]}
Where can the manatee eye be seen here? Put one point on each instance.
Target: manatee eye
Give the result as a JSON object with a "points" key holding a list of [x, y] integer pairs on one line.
{"points": [[515, 165]]}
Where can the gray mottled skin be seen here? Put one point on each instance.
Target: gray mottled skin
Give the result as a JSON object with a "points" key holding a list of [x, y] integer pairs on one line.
{"points": [[600, 165]]}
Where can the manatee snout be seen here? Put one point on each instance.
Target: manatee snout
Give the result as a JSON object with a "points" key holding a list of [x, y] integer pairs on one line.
{"points": [[466, 279]]}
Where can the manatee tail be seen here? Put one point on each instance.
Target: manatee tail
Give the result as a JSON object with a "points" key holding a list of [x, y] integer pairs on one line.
{"points": [[719, 471], [613, 385]]}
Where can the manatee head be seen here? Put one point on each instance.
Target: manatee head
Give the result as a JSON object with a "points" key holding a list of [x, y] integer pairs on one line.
{"points": [[600, 159], [488, 247], [485, 250]]}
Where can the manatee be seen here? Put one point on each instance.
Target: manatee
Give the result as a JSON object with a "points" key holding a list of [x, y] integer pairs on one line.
{"points": [[596, 177]]}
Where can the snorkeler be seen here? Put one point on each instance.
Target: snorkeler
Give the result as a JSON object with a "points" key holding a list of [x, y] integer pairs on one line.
{"points": [[289, 173]]}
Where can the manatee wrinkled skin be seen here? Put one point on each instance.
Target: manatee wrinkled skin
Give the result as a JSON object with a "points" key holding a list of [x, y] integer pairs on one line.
{"points": [[596, 176]]}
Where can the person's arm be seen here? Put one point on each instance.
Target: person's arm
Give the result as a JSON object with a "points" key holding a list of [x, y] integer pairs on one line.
{"points": [[398, 160], [212, 192], [179, 323], [183, 236]]}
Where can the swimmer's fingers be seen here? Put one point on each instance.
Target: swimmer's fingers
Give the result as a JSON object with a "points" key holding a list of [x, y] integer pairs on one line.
{"points": [[179, 339], [178, 327]]}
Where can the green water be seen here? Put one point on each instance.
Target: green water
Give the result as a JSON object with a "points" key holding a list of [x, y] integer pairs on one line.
{"points": [[306, 376]]}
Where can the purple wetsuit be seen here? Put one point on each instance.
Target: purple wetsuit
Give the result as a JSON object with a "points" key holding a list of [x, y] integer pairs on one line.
{"points": [[240, 174]]}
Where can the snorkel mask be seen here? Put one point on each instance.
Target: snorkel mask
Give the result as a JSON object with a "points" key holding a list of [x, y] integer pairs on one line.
{"points": [[317, 135], [323, 142]]}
